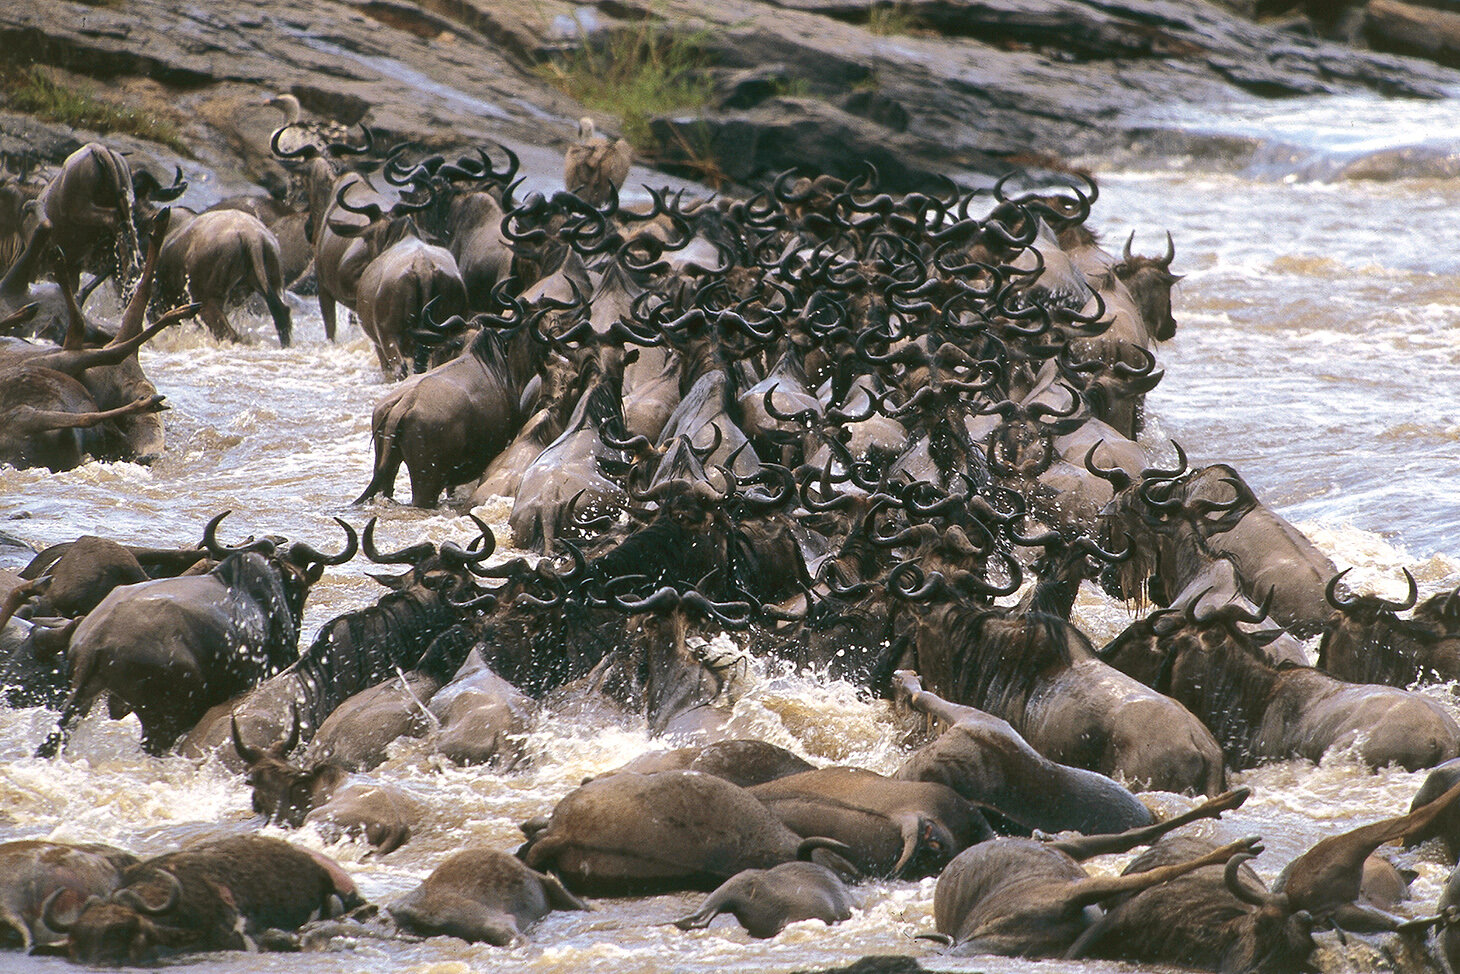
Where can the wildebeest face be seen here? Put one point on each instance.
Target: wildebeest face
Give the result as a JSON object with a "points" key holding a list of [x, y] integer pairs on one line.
{"points": [[110, 934]]}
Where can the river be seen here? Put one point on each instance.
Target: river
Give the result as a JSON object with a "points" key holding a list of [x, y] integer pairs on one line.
{"points": [[1316, 351]]}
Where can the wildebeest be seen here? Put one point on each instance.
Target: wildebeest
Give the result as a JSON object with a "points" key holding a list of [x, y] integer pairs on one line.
{"points": [[1228, 921], [88, 204], [898, 828], [1366, 642], [673, 830], [483, 717], [447, 424], [1024, 898], [1261, 712], [1041, 674], [354, 651], [168, 649], [36, 871], [481, 895], [766, 900], [324, 793], [212, 896], [983, 759], [216, 254]]}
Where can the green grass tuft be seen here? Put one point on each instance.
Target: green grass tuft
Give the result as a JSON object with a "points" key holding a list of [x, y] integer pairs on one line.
{"points": [[32, 90], [894, 18], [635, 75]]}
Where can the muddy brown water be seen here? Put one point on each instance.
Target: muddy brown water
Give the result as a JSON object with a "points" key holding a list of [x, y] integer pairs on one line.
{"points": [[1317, 351]]}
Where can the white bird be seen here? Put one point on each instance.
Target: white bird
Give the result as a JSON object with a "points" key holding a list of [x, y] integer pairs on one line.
{"points": [[594, 164]]}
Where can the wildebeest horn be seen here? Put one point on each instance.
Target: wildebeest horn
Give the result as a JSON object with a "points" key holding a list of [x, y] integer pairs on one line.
{"points": [[1125, 255], [1156, 473], [455, 555], [306, 151], [219, 552], [130, 897], [346, 149], [371, 210], [1409, 600], [303, 552], [48, 910], [1115, 476], [250, 755], [1170, 255], [405, 556], [1331, 593], [1236, 887]]}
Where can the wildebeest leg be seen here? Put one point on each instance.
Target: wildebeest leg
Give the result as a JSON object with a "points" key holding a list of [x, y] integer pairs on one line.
{"points": [[1085, 846], [282, 323], [426, 487], [40, 420], [327, 311], [1330, 874], [217, 322], [907, 685], [1089, 891], [19, 594], [76, 708], [558, 896]]}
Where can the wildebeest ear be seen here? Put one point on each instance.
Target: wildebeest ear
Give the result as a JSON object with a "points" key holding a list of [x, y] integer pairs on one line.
{"points": [[393, 582], [631, 356]]}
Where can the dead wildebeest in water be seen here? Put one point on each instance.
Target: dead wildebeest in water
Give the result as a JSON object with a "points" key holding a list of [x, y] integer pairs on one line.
{"points": [[740, 762], [627, 834], [482, 895], [36, 871], [212, 896], [897, 828], [1024, 898], [1227, 921], [766, 900]]}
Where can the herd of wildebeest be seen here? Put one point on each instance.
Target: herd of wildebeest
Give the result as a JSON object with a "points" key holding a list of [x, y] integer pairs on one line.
{"points": [[848, 426]]}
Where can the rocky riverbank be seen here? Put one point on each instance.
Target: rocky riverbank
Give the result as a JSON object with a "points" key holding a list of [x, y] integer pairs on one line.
{"points": [[919, 87]]}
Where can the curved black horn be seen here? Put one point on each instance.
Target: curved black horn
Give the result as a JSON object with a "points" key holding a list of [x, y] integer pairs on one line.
{"points": [[405, 556], [301, 551]]}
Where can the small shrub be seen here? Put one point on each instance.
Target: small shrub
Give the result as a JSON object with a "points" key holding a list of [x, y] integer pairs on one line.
{"points": [[635, 75], [894, 18], [31, 90]]}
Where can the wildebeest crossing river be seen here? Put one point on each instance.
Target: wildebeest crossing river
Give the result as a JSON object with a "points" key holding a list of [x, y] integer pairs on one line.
{"points": [[1317, 352]]}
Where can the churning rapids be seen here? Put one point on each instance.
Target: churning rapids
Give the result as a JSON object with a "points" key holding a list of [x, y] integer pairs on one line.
{"points": [[1318, 350]]}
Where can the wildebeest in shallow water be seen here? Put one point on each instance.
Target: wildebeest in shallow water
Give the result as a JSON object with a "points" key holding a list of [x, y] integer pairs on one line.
{"points": [[169, 649], [1023, 898], [212, 896], [482, 895], [984, 760], [626, 834]]}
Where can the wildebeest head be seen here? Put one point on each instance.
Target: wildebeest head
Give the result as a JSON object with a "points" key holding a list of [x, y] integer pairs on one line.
{"points": [[1149, 280], [284, 793], [299, 566], [124, 928]]}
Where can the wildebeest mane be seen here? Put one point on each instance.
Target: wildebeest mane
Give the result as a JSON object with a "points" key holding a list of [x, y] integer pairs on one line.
{"points": [[359, 649], [994, 662], [1235, 685], [1390, 651], [251, 572]]}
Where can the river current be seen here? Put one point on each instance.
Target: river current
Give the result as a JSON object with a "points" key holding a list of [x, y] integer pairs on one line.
{"points": [[1317, 351]]}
